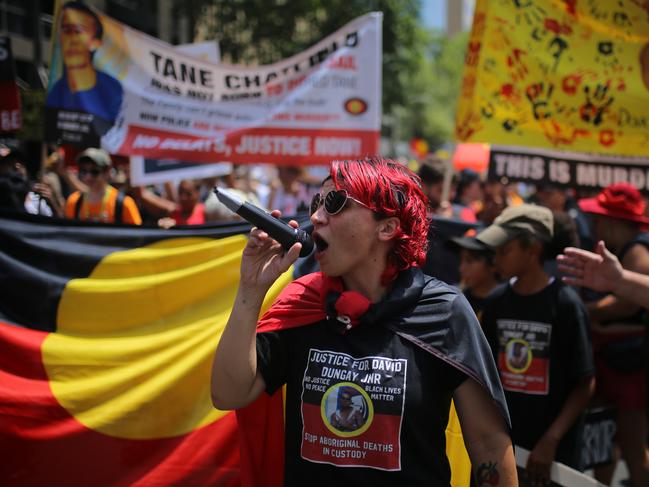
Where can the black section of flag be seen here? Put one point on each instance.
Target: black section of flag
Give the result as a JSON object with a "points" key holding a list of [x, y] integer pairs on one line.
{"points": [[7, 65], [39, 255]]}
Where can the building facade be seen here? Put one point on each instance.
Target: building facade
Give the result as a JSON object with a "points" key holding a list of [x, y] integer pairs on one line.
{"points": [[29, 25]]}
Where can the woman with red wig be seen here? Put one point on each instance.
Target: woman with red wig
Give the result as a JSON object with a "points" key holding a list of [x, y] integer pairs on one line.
{"points": [[370, 326]]}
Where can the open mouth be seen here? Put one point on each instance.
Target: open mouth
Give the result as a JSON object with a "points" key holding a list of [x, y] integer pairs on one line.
{"points": [[320, 243]]}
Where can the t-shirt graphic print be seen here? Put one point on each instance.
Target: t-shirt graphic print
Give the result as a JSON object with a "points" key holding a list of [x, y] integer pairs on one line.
{"points": [[523, 355], [352, 409]]}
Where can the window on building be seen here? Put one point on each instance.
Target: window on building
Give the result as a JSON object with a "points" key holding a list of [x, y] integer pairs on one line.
{"points": [[14, 18]]}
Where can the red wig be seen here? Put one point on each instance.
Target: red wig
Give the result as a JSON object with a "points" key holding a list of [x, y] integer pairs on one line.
{"points": [[389, 189]]}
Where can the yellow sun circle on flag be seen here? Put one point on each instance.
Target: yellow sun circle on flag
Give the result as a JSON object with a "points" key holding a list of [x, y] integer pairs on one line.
{"points": [[356, 106], [132, 354]]}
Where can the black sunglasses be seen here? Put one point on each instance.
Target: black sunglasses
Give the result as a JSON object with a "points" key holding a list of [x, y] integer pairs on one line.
{"points": [[334, 201], [92, 172]]}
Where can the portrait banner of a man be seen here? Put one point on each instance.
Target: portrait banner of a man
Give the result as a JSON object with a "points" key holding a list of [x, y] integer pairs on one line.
{"points": [[85, 94]]}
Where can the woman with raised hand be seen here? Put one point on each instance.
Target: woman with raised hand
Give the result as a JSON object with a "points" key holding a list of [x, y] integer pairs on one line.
{"points": [[372, 327]]}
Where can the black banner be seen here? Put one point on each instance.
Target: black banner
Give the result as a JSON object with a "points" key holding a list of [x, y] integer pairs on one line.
{"points": [[74, 127], [599, 432], [568, 169], [7, 68]]}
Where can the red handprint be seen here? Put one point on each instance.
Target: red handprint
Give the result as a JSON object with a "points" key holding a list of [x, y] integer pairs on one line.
{"points": [[516, 64], [467, 126]]}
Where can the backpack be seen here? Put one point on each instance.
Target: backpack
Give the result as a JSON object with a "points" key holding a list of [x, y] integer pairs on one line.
{"points": [[119, 206]]}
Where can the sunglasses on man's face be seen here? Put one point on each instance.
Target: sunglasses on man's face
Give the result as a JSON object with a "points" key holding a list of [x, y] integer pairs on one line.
{"points": [[91, 172], [334, 201]]}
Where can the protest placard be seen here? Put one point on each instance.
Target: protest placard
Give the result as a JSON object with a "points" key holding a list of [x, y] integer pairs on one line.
{"points": [[568, 169], [559, 75]]}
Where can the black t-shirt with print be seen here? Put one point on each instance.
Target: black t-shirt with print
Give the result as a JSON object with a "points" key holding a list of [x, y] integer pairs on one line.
{"points": [[366, 407], [541, 344], [477, 303]]}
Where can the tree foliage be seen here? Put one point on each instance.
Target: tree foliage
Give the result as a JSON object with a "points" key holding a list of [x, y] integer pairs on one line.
{"points": [[428, 110]]}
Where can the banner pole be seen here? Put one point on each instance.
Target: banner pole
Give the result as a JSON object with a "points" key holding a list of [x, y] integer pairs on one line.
{"points": [[448, 179]]}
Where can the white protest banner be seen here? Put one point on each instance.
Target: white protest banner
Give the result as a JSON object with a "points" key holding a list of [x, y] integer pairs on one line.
{"points": [[560, 474], [153, 171], [207, 51], [140, 96]]}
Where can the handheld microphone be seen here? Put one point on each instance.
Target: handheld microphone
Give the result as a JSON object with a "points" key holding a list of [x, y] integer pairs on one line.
{"points": [[285, 234]]}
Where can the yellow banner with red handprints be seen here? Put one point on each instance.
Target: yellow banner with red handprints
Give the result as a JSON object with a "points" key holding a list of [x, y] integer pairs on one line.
{"points": [[565, 74]]}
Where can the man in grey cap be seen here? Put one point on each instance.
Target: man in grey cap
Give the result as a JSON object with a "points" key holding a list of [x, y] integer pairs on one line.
{"points": [[102, 202], [548, 392], [534, 220]]}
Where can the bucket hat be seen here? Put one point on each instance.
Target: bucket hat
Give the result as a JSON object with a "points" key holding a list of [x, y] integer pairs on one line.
{"points": [[619, 200]]}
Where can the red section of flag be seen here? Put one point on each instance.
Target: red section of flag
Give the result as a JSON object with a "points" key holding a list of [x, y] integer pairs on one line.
{"points": [[42, 444], [273, 145], [301, 302], [261, 440]]}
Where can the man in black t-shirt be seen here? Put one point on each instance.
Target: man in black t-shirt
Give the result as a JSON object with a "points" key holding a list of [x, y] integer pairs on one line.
{"points": [[539, 333]]}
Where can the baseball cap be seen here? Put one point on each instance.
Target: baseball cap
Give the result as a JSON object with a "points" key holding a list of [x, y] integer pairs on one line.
{"points": [[619, 200], [97, 156], [516, 220], [469, 243]]}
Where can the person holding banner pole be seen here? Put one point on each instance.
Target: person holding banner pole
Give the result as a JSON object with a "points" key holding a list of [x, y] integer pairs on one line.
{"points": [[370, 326]]}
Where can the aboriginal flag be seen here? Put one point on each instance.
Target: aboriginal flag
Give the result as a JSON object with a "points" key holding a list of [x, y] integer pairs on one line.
{"points": [[107, 335]]}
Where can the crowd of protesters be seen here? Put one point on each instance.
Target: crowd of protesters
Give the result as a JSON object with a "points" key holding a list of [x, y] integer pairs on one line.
{"points": [[559, 347], [93, 189]]}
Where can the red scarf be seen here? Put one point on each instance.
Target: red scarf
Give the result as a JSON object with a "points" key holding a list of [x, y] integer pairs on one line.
{"points": [[311, 299]]}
